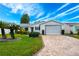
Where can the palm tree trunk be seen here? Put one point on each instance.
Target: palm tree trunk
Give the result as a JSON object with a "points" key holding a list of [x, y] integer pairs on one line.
{"points": [[3, 33], [12, 33]]}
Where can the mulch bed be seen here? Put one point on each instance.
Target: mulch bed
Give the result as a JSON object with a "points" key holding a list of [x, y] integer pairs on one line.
{"points": [[7, 39]]}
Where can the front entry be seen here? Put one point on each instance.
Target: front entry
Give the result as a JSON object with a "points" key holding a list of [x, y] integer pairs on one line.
{"points": [[32, 29]]}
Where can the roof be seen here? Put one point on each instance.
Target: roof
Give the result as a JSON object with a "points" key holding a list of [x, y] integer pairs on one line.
{"points": [[53, 21], [43, 22], [71, 23], [38, 22]]}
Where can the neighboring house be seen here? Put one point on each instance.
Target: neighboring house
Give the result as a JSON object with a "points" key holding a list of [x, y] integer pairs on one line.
{"points": [[7, 31], [53, 27], [74, 27], [24, 25]]}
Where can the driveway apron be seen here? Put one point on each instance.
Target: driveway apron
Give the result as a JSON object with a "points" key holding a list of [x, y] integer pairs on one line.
{"points": [[59, 45]]}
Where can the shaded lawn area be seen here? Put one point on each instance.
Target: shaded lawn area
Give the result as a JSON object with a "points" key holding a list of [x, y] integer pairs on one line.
{"points": [[25, 46], [74, 35]]}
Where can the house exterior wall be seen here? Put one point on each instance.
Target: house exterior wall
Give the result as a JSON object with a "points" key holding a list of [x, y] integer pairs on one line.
{"points": [[7, 31], [66, 28], [29, 29], [34, 25]]}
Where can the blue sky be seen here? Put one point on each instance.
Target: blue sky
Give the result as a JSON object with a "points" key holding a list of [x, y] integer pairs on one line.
{"points": [[62, 12]]}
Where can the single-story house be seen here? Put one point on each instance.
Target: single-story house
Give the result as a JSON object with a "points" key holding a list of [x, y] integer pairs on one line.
{"points": [[48, 27], [53, 27]]}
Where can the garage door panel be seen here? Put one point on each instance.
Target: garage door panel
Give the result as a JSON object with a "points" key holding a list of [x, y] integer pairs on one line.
{"points": [[53, 29]]}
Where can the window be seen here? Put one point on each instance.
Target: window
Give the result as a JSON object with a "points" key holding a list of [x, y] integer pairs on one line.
{"points": [[37, 28]]}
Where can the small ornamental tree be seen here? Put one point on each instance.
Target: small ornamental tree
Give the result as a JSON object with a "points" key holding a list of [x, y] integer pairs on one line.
{"points": [[13, 27]]}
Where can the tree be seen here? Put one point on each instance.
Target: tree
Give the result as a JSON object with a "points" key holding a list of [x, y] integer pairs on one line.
{"points": [[25, 18], [13, 27], [12, 31], [2, 26], [17, 27]]}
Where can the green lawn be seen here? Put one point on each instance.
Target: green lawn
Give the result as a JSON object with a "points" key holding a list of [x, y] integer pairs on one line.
{"points": [[25, 46], [75, 36]]}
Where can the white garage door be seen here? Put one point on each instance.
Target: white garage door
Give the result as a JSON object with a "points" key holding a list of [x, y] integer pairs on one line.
{"points": [[53, 29]]}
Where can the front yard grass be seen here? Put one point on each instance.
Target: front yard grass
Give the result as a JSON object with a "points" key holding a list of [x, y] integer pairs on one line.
{"points": [[24, 46], [74, 35]]}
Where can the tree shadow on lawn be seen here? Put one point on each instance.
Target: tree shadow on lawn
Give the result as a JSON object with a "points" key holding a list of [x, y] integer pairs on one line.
{"points": [[8, 39]]}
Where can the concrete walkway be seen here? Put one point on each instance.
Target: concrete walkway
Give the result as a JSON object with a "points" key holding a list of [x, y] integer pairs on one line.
{"points": [[59, 46]]}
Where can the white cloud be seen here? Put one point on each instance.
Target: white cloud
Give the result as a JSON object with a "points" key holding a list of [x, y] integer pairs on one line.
{"points": [[72, 8], [31, 9], [64, 13], [70, 12], [39, 14], [61, 14], [14, 7], [73, 18], [43, 18], [60, 8], [48, 15], [63, 6]]}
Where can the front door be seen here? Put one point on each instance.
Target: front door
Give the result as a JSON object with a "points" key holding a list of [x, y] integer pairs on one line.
{"points": [[32, 29]]}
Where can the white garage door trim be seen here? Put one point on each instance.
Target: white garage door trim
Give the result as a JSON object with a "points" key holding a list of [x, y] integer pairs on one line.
{"points": [[52, 29]]}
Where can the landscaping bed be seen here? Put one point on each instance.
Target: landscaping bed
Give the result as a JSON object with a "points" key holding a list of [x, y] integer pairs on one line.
{"points": [[24, 46]]}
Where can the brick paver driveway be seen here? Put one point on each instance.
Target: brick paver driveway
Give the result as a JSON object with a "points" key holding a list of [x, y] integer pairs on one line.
{"points": [[59, 46]]}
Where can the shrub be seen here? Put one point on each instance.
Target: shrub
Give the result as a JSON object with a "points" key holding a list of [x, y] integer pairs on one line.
{"points": [[27, 32], [22, 31], [62, 32], [78, 32], [34, 34]]}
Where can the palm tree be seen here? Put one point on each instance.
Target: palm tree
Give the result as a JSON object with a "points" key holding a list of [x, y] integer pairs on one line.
{"points": [[25, 20], [2, 26]]}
